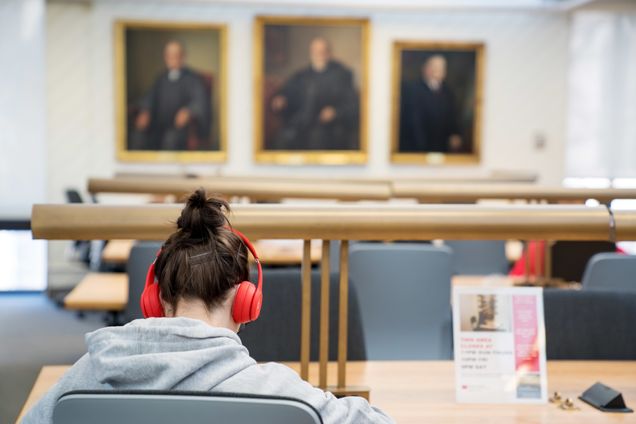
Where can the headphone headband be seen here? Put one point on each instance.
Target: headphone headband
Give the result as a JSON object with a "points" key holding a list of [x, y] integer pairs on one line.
{"points": [[252, 249]]}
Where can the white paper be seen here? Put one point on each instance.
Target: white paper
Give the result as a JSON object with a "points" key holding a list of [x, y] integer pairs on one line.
{"points": [[499, 341]]}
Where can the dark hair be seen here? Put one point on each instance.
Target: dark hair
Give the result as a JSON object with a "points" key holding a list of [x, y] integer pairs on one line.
{"points": [[203, 259]]}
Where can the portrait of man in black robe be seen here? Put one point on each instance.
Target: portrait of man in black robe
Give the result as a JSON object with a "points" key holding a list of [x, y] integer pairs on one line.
{"points": [[317, 105], [430, 120], [176, 110], [437, 112]]}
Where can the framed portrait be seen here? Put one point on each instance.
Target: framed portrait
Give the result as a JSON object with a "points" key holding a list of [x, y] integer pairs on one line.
{"points": [[311, 90], [170, 81], [437, 95]]}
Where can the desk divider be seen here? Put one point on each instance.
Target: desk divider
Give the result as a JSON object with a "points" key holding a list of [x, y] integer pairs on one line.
{"points": [[351, 189], [255, 190], [343, 222]]}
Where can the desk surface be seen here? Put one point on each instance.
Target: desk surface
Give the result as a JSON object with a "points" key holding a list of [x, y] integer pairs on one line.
{"points": [[109, 291], [105, 291], [509, 281], [117, 251], [271, 252], [286, 252], [424, 392]]}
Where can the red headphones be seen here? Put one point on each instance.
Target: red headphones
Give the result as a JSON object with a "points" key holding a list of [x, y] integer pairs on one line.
{"points": [[247, 303]]}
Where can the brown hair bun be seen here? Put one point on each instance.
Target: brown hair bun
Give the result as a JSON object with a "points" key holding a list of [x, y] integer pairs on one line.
{"points": [[202, 217]]}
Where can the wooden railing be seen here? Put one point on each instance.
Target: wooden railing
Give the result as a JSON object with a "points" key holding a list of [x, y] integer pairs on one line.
{"points": [[255, 190], [336, 222], [342, 222], [469, 193], [492, 177], [273, 189]]}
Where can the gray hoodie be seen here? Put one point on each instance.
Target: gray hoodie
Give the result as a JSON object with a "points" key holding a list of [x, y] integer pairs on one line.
{"points": [[187, 354]]}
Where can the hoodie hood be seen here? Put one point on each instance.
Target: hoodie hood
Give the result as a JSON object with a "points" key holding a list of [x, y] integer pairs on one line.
{"points": [[166, 353]]}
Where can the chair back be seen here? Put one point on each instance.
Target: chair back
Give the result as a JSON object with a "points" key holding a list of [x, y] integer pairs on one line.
{"points": [[275, 335], [73, 196], [610, 271], [404, 295], [82, 248], [589, 324], [143, 407], [479, 257], [141, 256]]}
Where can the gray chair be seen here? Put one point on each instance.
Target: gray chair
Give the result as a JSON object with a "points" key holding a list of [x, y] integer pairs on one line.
{"points": [[141, 256], [610, 271], [404, 296], [589, 325], [144, 407], [275, 335], [478, 257]]}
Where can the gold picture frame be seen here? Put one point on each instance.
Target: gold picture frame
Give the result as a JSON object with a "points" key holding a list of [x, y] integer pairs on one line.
{"points": [[437, 158], [121, 85], [318, 156]]}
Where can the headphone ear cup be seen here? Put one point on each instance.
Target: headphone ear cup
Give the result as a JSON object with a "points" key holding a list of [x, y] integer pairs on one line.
{"points": [[242, 306], [150, 302], [257, 302]]}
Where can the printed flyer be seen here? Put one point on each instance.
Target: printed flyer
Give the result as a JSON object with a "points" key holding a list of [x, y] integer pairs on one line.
{"points": [[499, 337]]}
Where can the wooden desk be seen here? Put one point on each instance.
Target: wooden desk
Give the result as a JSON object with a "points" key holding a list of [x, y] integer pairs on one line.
{"points": [[470, 193], [48, 376], [109, 291], [485, 280], [117, 251], [286, 252], [509, 281], [416, 392], [104, 291], [254, 189], [272, 252]]}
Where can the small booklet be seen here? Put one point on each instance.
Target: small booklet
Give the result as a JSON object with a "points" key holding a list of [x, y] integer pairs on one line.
{"points": [[499, 342]]}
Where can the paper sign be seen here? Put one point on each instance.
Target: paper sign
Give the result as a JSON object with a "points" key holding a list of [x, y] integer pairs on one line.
{"points": [[499, 337]]}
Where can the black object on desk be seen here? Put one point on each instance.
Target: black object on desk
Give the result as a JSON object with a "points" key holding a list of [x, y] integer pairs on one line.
{"points": [[605, 398]]}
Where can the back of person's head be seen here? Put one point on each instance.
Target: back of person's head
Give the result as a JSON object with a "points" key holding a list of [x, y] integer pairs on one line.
{"points": [[203, 259]]}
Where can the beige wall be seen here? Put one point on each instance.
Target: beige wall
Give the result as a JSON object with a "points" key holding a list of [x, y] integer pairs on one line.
{"points": [[22, 108], [524, 92]]}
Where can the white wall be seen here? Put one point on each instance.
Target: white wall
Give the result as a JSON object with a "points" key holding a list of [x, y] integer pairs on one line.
{"points": [[601, 129], [525, 87], [602, 105], [22, 107]]}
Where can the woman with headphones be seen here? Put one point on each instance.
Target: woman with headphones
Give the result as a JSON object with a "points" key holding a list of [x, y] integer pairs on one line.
{"points": [[196, 297]]}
